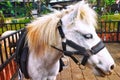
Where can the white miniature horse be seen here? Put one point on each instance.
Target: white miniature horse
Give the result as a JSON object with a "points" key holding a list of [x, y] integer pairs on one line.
{"points": [[77, 28]]}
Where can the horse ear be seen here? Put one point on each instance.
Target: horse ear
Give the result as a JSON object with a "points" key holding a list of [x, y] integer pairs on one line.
{"points": [[73, 14], [78, 11]]}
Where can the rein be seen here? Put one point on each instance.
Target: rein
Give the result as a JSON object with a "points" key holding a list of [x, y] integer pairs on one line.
{"points": [[79, 49]]}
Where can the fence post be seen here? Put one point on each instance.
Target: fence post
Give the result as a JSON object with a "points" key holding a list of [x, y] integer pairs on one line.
{"points": [[118, 32]]}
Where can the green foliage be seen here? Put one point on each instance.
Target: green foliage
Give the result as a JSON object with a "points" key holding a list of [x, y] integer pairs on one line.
{"points": [[110, 17], [9, 4], [28, 8], [21, 20], [109, 2], [6, 7], [105, 2], [16, 9], [14, 21], [92, 1], [25, 20], [45, 11]]}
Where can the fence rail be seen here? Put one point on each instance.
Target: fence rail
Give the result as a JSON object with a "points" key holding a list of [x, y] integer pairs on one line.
{"points": [[8, 66], [109, 31]]}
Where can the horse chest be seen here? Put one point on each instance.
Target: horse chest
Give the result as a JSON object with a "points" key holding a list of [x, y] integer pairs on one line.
{"points": [[39, 67]]}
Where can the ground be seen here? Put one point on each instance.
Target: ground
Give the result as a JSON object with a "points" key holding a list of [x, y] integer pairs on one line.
{"points": [[73, 72]]}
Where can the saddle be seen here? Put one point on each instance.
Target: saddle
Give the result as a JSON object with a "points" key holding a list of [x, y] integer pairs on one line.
{"points": [[22, 53]]}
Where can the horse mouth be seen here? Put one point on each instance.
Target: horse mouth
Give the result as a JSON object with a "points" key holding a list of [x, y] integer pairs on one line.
{"points": [[102, 73]]}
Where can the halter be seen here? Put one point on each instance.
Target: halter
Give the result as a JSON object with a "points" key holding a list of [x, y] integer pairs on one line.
{"points": [[79, 49]]}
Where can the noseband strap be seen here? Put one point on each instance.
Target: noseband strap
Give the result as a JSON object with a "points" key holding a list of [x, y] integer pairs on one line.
{"points": [[95, 49], [79, 49]]}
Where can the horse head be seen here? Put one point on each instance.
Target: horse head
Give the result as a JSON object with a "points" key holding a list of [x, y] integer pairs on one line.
{"points": [[79, 27]]}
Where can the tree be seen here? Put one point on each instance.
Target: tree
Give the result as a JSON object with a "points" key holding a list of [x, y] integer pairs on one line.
{"points": [[108, 4], [102, 3]]}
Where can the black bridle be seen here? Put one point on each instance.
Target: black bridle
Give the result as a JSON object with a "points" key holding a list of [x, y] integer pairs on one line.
{"points": [[79, 49]]}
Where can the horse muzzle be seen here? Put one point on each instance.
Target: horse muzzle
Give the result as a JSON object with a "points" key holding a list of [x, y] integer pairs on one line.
{"points": [[104, 73]]}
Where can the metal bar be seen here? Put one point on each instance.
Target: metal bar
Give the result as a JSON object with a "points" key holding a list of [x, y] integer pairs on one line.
{"points": [[10, 52], [13, 42], [11, 26], [15, 26], [109, 27], [6, 26], [5, 48], [1, 55], [2, 27]]}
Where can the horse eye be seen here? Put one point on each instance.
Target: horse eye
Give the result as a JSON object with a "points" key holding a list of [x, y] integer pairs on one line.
{"points": [[88, 36]]}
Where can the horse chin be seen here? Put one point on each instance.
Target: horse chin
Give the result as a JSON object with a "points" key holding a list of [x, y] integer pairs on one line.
{"points": [[100, 72]]}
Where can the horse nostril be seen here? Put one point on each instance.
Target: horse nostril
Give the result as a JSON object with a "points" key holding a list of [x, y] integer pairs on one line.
{"points": [[112, 67]]}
